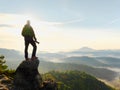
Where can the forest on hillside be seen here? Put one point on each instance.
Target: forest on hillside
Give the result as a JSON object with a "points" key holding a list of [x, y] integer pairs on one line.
{"points": [[76, 80]]}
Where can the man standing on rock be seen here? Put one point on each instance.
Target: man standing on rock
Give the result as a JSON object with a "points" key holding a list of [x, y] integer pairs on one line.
{"points": [[29, 37]]}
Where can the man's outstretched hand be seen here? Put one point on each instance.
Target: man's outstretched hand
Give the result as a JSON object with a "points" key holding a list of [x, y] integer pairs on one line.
{"points": [[37, 42]]}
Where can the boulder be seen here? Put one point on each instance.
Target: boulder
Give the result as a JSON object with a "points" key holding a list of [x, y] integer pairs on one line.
{"points": [[27, 76]]}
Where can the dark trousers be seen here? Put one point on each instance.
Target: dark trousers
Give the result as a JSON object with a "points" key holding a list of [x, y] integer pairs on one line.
{"points": [[29, 40]]}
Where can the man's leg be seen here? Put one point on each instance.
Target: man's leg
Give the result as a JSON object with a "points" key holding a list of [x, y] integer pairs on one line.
{"points": [[26, 50], [34, 49]]}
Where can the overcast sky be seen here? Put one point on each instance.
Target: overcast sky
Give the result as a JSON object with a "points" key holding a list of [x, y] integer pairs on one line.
{"points": [[61, 25]]}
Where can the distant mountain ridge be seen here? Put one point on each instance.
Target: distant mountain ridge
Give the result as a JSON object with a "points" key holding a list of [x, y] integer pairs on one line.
{"points": [[70, 60], [94, 61], [84, 55], [82, 51], [86, 49]]}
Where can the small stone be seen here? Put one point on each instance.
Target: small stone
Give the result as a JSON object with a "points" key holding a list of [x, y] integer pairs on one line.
{"points": [[5, 81]]}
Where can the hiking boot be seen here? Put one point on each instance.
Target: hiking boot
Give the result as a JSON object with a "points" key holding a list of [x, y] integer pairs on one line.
{"points": [[34, 58]]}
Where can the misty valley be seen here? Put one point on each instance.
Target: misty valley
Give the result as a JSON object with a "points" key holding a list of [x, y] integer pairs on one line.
{"points": [[102, 64]]}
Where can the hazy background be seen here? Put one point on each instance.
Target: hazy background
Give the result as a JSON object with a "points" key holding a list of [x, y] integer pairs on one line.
{"points": [[61, 25], [79, 35]]}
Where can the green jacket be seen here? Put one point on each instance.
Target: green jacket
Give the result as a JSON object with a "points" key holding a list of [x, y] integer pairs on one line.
{"points": [[28, 31]]}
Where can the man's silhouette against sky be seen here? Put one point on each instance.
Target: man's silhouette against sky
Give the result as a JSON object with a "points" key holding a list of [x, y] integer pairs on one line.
{"points": [[29, 37]]}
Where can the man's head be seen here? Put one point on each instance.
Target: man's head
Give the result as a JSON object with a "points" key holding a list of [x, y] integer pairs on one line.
{"points": [[28, 22]]}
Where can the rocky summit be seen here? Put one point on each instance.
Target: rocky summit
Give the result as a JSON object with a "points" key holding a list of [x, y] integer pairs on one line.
{"points": [[27, 76]]}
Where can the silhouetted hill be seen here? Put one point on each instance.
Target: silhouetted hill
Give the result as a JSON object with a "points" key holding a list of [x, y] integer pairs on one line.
{"points": [[76, 80], [85, 51], [10, 53], [12, 57], [91, 61], [111, 61], [94, 61], [97, 72]]}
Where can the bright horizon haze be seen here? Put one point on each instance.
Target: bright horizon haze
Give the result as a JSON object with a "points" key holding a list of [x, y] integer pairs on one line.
{"points": [[61, 25]]}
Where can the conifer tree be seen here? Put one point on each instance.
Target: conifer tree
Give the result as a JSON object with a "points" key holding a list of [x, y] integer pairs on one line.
{"points": [[3, 67]]}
